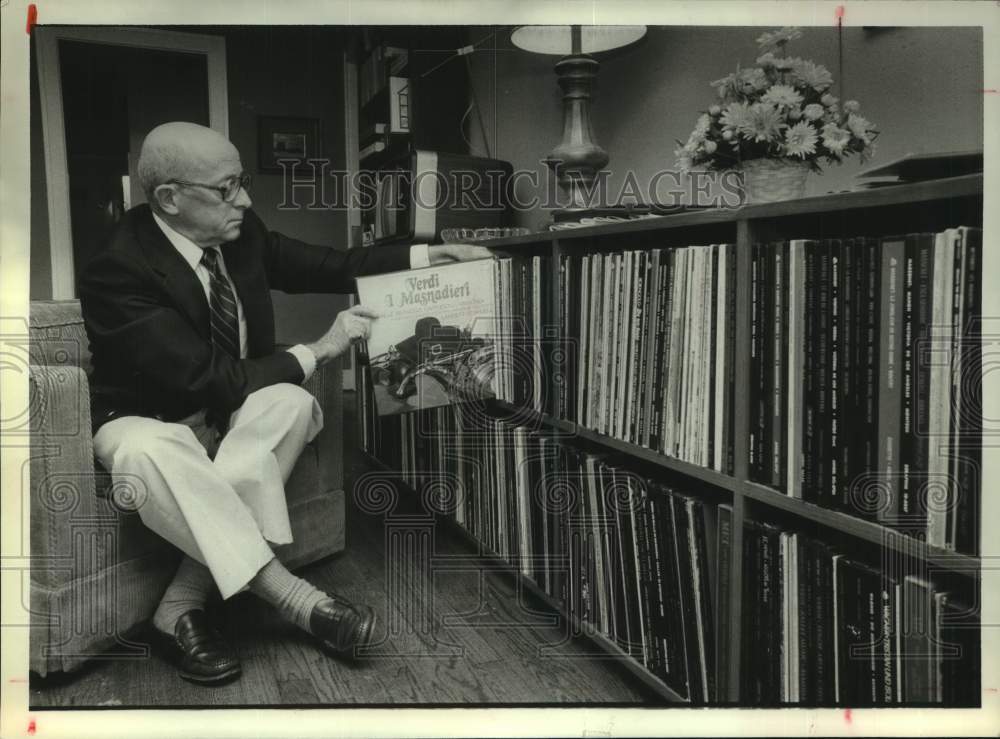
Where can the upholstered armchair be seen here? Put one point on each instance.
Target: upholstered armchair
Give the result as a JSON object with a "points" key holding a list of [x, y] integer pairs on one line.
{"points": [[96, 571]]}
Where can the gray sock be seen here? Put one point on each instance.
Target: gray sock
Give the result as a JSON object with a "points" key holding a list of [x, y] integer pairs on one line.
{"points": [[189, 590], [292, 596]]}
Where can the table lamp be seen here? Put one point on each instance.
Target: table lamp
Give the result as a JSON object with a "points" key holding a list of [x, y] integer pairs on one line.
{"points": [[578, 158]]}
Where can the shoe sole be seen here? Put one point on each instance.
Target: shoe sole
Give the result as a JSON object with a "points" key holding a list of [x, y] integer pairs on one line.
{"points": [[225, 677]]}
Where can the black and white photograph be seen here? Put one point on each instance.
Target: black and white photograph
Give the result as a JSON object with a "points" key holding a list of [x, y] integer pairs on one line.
{"points": [[605, 370]]}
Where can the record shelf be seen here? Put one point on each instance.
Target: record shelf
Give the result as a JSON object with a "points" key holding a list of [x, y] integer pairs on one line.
{"points": [[902, 209]]}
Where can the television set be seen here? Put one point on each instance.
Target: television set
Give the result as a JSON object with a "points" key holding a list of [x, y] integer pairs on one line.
{"points": [[415, 196]]}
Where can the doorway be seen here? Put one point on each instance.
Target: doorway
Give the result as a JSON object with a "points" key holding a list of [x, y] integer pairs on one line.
{"points": [[101, 91]]}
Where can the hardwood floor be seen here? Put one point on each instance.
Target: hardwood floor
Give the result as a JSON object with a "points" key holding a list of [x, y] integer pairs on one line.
{"points": [[461, 636]]}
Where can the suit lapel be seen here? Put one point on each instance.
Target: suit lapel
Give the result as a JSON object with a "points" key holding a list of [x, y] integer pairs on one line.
{"points": [[178, 279]]}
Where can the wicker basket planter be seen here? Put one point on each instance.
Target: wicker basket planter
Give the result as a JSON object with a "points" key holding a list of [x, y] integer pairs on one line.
{"points": [[774, 180]]}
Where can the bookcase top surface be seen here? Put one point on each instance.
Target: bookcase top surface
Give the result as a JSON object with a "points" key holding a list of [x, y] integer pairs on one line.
{"points": [[943, 189]]}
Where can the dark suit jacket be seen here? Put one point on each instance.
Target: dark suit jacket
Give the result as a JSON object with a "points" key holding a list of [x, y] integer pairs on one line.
{"points": [[147, 318]]}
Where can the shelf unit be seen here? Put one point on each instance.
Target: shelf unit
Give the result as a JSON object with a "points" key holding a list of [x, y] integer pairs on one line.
{"points": [[408, 78], [925, 206], [496, 563]]}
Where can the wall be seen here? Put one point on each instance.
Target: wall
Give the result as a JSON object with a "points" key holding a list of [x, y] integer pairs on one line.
{"points": [[288, 71], [297, 72], [921, 86]]}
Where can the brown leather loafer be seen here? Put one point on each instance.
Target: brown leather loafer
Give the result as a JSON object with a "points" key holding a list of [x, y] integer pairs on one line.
{"points": [[342, 628], [201, 654]]}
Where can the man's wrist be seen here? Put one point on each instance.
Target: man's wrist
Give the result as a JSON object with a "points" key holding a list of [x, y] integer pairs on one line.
{"points": [[320, 351], [308, 359], [326, 350]]}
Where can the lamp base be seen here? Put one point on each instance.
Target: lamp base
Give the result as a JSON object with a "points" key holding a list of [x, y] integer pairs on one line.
{"points": [[578, 158]]}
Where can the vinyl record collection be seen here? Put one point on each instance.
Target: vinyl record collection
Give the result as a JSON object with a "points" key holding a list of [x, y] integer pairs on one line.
{"points": [[652, 337], [647, 565], [864, 381], [830, 388], [822, 629], [627, 556]]}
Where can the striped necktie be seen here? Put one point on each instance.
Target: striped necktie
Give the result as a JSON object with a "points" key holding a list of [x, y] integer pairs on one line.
{"points": [[222, 305]]}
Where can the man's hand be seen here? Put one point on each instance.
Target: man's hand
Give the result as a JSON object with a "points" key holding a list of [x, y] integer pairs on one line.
{"points": [[349, 327], [446, 253]]}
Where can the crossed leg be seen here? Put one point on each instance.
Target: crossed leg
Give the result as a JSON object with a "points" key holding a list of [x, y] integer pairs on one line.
{"points": [[222, 512]]}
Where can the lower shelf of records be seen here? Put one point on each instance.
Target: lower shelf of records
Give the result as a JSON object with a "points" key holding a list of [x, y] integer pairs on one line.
{"points": [[647, 565]]}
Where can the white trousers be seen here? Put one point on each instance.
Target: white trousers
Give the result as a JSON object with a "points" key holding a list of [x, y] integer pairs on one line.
{"points": [[220, 501]]}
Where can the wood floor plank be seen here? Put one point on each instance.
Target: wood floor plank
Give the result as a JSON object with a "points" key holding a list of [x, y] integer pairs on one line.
{"points": [[255, 630]]}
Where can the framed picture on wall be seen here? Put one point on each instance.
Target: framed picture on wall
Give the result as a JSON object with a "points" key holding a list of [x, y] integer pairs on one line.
{"points": [[283, 138]]}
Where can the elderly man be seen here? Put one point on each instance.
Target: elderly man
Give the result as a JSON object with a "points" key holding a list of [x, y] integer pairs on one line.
{"points": [[191, 397]]}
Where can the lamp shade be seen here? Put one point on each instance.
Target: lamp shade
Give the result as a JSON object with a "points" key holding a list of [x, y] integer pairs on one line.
{"points": [[557, 40]]}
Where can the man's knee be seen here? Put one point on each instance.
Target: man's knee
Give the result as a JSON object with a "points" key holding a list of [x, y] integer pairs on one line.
{"points": [[152, 440], [290, 398]]}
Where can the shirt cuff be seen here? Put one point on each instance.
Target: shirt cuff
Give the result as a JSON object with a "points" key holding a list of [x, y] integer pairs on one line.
{"points": [[306, 358], [420, 256]]}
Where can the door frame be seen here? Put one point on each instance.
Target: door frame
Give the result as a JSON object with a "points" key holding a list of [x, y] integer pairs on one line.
{"points": [[54, 124], [353, 223]]}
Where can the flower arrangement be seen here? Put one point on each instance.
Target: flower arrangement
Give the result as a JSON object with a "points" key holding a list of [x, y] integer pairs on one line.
{"points": [[780, 109]]}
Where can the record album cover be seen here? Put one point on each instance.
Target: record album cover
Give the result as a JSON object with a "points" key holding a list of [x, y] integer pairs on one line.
{"points": [[432, 343]]}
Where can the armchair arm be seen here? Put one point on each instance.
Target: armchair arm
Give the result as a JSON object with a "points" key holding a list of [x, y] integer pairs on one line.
{"points": [[63, 498]]}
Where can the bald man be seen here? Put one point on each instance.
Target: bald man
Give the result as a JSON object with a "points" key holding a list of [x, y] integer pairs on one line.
{"points": [[190, 396]]}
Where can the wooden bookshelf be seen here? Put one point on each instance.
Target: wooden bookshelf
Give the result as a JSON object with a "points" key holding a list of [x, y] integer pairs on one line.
{"points": [[574, 431], [965, 565], [925, 206], [962, 564], [497, 563], [951, 189]]}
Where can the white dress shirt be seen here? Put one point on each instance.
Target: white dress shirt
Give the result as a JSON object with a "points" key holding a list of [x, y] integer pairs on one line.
{"points": [[192, 253]]}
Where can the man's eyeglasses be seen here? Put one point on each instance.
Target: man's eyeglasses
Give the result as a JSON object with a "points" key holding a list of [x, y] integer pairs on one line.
{"points": [[228, 190]]}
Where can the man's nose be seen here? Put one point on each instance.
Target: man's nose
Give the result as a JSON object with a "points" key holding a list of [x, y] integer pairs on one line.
{"points": [[242, 199]]}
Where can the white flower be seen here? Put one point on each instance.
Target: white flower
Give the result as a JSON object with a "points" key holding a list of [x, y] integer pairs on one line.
{"points": [[703, 124], [800, 140], [794, 114], [764, 124], [735, 115], [828, 100], [786, 63], [714, 110], [812, 75], [751, 80], [766, 60], [710, 147], [860, 127], [782, 96], [727, 134], [814, 111], [778, 38], [835, 138], [852, 106]]}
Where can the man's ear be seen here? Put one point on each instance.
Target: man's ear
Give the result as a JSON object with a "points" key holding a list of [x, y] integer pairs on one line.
{"points": [[166, 199]]}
